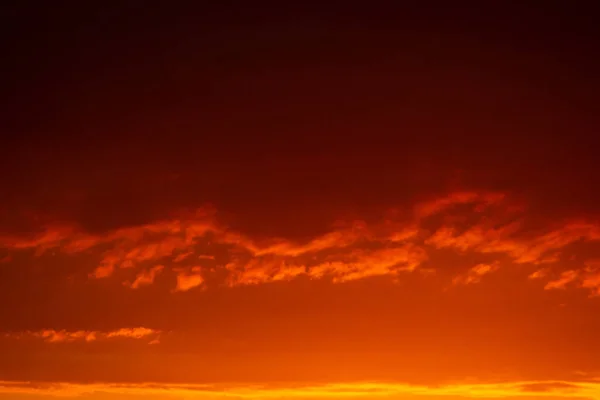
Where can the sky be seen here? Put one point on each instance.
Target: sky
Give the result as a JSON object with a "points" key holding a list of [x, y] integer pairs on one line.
{"points": [[280, 201]]}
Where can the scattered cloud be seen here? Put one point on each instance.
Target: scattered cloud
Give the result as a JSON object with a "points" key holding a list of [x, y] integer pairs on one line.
{"points": [[474, 223], [587, 278]]}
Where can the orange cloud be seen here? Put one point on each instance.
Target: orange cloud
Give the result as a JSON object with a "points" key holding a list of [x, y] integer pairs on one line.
{"points": [[475, 223], [130, 246], [262, 270], [538, 274], [182, 256], [103, 271], [355, 264], [481, 200], [60, 336], [342, 238], [50, 237], [189, 280], [53, 336], [146, 277], [135, 333], [475, 274], [587, 278], [565, 278], [474, 238], [540, 249], [128, 254], [592, 281], [366, 263]]}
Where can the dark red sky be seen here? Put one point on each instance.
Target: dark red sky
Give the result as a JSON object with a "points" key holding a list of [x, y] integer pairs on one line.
{"points": [[338, 106], [309, 137]]}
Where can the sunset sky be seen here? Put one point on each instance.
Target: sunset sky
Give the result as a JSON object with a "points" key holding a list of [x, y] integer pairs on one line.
{"points": [[299, 202]]}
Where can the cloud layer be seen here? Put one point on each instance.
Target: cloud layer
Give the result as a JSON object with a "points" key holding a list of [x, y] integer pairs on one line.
{"points": [[198, 250]]}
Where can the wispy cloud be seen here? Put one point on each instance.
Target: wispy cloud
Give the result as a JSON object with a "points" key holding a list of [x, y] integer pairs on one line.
{"points": [[565, 278], [367, 263], [587, 278], [61, 336], [480, 199], [146, 277], [475, 274], [540, 249]]}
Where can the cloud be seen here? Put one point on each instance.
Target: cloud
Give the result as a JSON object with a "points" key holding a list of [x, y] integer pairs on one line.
{"points": [[187, 280], [52, 336], [155, 245], [340, 267], [480, 199], [591, 277], [586, 278], [336, 239], [592, 281], [360, 264], [475, 274], [146, 277], [182, 256], [128, 246], [176, 241], [538, 274], [565, 278], [261, 270], [473, 223], [103, 271], [135, 333], [540, 249], [61, 336], [49, 237]]}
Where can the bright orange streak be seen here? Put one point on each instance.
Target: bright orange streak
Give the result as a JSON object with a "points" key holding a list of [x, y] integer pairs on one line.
{"points": [[590, 390], [56, 336]]}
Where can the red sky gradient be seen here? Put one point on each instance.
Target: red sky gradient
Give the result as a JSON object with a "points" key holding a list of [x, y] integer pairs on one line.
{"points": [[299, 202]]}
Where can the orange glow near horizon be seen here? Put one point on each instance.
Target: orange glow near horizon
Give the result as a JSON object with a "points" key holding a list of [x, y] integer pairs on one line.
{"points": [[360, 390]]}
